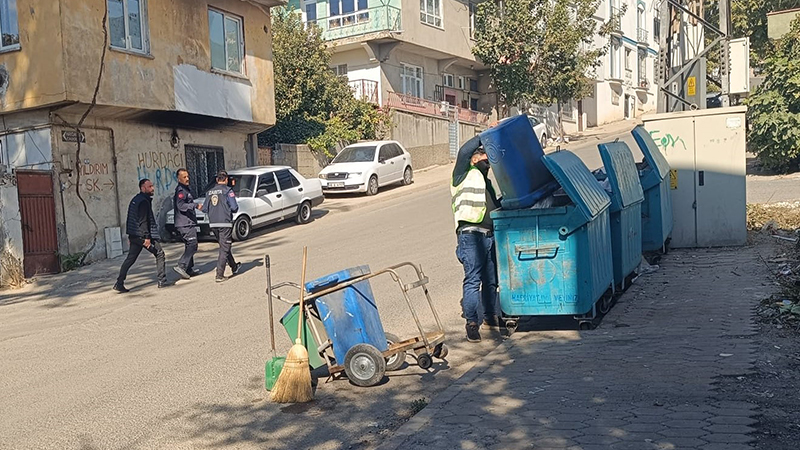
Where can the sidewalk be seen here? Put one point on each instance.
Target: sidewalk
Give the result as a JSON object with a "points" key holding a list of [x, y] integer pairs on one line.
{"points": [[603, 131], [643, 380]]}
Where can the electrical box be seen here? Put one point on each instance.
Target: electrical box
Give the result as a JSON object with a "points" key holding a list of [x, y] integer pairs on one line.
{"points": [[706, 152]]}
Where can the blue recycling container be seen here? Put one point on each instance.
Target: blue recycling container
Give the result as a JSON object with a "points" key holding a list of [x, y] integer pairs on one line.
{"points": [[556, 260], [350, 315], [515, 155], [626, 209], [657, 205]]}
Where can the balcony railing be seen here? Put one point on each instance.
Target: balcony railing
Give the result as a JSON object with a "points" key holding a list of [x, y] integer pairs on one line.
{"points": [[405, 102], [366, 90], [644, 84], [361, 22], [615, 19], [642, 36]]}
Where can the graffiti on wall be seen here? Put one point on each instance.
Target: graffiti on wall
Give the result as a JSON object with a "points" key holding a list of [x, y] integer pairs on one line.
{"points": [[160, 167], [667, 141], [95, 177]]}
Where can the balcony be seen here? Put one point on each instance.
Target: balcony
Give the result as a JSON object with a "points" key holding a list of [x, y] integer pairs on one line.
{"points": [[405, 102], [644, 85], [643, 37], [366, 90], [616, 21], [361, 22]]}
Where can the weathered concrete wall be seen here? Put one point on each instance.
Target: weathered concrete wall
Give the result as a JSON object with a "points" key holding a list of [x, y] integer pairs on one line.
{"points": [[427, 137], [10, 224], [300, 158], [39, 58], [142, 151]]}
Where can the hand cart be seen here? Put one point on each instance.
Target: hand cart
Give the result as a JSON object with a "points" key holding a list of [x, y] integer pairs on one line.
{"points": [[367, 357]]}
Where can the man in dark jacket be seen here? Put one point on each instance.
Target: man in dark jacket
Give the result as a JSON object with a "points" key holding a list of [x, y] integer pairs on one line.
{"points": [[186, 224], [220, 206], [143, 234]]}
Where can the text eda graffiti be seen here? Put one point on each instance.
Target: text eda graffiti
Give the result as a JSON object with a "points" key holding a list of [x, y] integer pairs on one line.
{"points": [[160, 167], [667, 141]]}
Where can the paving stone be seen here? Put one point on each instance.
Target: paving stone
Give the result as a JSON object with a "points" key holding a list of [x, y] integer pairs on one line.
{"points": [[686, 423], [729, 438], [596, 439], [719, 446], [688, 415], [733, 420], [683, 432], [681, 442], [732, 429], [640, 445], [556, 425], [644, 427]]}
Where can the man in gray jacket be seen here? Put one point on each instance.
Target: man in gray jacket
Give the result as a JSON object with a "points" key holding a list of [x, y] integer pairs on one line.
{"points": [[220, 205]]}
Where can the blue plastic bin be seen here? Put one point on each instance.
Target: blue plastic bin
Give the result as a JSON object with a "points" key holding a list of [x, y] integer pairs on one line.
{"points": [[350, 315], [556, 261], [657, 205], [626, 209], [515, 156]]}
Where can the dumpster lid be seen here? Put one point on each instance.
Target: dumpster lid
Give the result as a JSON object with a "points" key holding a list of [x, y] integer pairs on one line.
{"points": [[623, 174], [650, 151], [578, 182], [335, 278]]}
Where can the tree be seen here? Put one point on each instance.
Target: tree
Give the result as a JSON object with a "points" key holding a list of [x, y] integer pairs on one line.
{"points": [[312, 104], [540, 51], [774, 109]]}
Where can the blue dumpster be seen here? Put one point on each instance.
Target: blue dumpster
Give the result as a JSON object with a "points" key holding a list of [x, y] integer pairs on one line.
{"points": [[626, 209], [350, 315], [515, 155], [657, 205], [556, 260]]}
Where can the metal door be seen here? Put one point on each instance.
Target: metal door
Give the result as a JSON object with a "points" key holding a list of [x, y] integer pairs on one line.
{"points": [[203, 163], [38, 213]]}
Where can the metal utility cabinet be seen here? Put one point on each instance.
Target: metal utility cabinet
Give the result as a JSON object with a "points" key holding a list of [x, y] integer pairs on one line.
{"points": [[706, 152]]}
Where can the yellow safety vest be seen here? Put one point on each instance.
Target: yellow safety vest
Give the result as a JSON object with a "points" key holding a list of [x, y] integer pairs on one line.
{"points": [[469, 198]]}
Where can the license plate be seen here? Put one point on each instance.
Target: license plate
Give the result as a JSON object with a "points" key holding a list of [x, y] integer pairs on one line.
{"points": [[335, 184]]}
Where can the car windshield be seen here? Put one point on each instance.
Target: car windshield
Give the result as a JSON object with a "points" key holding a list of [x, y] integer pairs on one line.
{"points": [[242, 185], [356, 154]]}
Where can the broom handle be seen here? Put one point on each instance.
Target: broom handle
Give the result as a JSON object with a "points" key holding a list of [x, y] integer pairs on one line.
{"points": [[269, 298], [300, 330]]}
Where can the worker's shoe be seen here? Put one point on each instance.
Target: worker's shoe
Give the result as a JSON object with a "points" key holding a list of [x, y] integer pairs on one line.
{"points": [[492, 323], [237, 268], [193, 272], [119, 287], [182, 272], [163, 284], [473, 335], [221, 279]]}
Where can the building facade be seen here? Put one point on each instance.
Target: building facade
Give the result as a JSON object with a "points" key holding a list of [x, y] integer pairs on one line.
{"points": [[89, 107]]}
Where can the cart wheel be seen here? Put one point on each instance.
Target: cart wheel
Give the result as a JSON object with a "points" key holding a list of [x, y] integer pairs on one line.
{"points": [[606, 302], [394, 362], [364, 365], [586, 325], [511, 326], [440, 351], [425, 361]]}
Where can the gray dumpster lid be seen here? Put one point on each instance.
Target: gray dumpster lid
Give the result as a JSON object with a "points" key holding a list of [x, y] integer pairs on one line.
{"points": [[578, 182], [623, 174], [650, 151]]}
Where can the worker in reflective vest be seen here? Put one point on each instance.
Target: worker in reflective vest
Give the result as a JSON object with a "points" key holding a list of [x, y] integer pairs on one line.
{"points": [[473, 200]]}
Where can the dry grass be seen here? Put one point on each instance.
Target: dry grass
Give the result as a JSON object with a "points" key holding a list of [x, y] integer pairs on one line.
{"points": [[12, 272], [773, 216]]}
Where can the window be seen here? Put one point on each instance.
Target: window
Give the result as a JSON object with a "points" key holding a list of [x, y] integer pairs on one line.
{"points": [[385, 153], [628, 67], [656, 28], [430, 12], [311, 11], [227, 41], [242, 185], [447, 79], [266, 182], [127, 24], [203, 163], [473, 85], [613, 68], [411, 77], [340, 70], [472, 12], [286, 180], [348, 12], [361, 153], [642, 67], [473, 104], [461, 83]]}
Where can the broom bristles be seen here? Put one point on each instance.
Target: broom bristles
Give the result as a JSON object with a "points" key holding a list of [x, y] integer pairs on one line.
{"points": [[294, 382]]}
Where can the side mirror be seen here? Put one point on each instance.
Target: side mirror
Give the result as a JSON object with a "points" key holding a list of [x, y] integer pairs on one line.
{"points": [[382, 161], [261, 192]]}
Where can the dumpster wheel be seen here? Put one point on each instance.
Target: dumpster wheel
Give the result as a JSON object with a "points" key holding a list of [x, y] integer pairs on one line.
{"points": [[586, 325], [364, 365], [606, 302], [396, 361]]}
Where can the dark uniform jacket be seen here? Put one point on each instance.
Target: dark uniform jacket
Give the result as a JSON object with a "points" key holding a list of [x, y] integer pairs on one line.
{"points": [[220, 206], [185, 216], [141, 222]]}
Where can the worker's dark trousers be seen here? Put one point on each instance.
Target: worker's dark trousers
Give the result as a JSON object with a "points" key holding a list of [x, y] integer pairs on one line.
{"points": [[189, 237], [137, 244], [475, 251], [225, 238]]}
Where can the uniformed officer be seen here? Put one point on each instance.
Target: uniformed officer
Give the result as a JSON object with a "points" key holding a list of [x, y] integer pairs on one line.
{"points": [[186, 224], [220, 205], [143, 234]]}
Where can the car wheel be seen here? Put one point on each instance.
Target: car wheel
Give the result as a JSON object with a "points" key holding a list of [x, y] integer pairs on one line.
{"points": [[372, 185], [408, 176], [241, 228], [304, 213], [544, 141]]}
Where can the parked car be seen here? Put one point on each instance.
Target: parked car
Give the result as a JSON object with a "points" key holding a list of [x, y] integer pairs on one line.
{"points": [[539, 128], [266, 194], [367, 166]]}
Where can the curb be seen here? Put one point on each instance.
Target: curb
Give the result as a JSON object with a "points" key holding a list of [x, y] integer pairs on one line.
{"points": [[420, 420]]}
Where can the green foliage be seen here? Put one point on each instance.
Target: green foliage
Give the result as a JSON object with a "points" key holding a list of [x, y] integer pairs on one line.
{"points": [[539, 51], [418, 405], [774, 110], [312, 104], [71, 262]]}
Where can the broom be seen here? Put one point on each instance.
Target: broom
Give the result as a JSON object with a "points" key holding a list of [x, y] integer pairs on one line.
{"points": [[294, 382]]}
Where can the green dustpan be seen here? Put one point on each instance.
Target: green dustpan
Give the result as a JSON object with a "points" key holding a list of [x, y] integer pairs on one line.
{"points": [[274, 365]]}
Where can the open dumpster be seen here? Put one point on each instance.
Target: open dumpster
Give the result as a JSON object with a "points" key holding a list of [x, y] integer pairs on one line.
{"points": [[556, 260], [657, 205], [626, 209]]}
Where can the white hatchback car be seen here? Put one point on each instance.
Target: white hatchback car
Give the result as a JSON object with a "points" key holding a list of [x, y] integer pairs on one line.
{"points": [[539, 129], [266, 194], [367, 166]]}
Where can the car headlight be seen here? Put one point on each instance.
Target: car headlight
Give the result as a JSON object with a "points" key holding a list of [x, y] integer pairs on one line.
{"points": [[323, 176], [353, 174]]}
